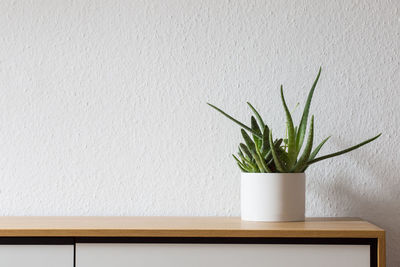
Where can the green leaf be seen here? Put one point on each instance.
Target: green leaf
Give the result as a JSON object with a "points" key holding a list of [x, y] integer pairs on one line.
{"points": [[259, 162], [260, 120], [262, 161], [268, 156], [241, 168], [246, 150], [269, 163], [253, 150], [265, 142], [343, 151], [277, 161], [256, 128], [238, 161], [303, 122], [247, 160], [234, 120], [292, 152], [318, 148], [250, 144], [258, 165], [277, 144], [285, 141], [241, 165], [307, 150], [240, 153], [314, 153], [284, 157]]}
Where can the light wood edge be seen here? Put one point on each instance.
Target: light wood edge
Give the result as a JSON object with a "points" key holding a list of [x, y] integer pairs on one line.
{"points": [[382, 249], [379, 234]]}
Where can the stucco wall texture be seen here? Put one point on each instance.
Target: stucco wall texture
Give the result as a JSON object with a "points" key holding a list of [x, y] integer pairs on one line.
{"points": [[103, 103]]}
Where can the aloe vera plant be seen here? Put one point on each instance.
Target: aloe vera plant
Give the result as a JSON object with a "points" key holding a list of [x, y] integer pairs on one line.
{"points": [[261, 152]]}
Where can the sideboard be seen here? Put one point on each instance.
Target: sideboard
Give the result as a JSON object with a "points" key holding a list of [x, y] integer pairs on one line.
{"points": [[188, 241]]}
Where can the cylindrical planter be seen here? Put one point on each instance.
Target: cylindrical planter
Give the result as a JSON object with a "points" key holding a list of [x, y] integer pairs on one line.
{"points": [[273, 197]]}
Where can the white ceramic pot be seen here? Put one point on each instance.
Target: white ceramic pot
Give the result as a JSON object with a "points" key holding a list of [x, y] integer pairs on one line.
{"points": [[273, 197]]}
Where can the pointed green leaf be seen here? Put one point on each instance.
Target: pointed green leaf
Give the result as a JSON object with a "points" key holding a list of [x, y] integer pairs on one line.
{"points": [[303, 122], [234, 120], [343, 151], [269, 159], [265, 142], [260, 120], [307, 150], [241, 168], [277, 144], [259, 162], [247, 160], [241, 165], [262, 161], [256, 128], [250, 144], [268, 156], [270, 162], [283, 155], [253, 150], [237, 160], [314, 154], [291, 134], [258, 166], [318, 148], [240, 152], [246, 150], [285, 141], [277, 161]]}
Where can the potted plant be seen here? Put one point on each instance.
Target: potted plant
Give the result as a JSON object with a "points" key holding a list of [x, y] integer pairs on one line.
{"points": [[273, 179]]}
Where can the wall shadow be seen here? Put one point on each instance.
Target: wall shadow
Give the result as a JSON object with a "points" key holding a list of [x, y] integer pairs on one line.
{"points": [[381, 210]]}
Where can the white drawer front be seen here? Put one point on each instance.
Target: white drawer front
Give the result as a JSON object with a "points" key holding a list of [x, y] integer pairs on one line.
{"points": [[221, 255], [37, 255]]}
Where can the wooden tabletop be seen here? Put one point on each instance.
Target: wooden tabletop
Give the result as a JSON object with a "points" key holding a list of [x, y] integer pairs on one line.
{"points": [[184, 227]]}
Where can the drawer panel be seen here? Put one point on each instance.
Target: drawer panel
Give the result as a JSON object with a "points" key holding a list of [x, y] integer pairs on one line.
{"points": [[221, 255], [37, 255]]}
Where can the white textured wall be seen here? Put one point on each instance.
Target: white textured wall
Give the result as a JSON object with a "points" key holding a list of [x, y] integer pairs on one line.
{"points": [[102, 103]]}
